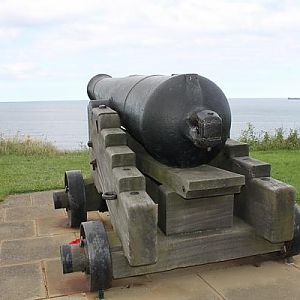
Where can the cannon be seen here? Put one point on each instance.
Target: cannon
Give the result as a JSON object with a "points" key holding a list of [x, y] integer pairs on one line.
{"points": [[186, 113], [178, 190]]}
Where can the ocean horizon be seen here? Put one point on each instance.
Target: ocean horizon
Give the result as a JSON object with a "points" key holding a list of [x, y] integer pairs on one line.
{"points": [[64, 123]]}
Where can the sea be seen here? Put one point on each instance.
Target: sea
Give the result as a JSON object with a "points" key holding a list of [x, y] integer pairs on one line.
{"points": [[64, 123]]}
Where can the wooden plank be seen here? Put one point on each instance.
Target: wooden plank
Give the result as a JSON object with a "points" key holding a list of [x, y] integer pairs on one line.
{"points": [[183, 250], [105, 118], [231, 149], [235, 148], [250, 167], [231, 159], [268, 205], [128, 179], [202, 181], [116, 172], [178, 215], [119, 156], [114, 137], [141, 226]]}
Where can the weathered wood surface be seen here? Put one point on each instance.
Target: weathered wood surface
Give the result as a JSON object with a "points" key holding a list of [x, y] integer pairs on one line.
{"points": [[177, 215], [202, 181], [133, 213], [250, 167], [197, 248], [268, 205], [244, 165], [265, 203], [231, 149], [235, 148]]}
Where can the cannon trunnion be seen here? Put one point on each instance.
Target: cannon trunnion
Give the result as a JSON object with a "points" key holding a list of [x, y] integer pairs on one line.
{"points": [[176, 210]]}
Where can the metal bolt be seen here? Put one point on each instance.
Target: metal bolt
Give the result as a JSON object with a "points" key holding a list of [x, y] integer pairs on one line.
{"points": [[90, 144], [101, 294], [82, 242], [102, 106], [109, 196], [93, 163]]}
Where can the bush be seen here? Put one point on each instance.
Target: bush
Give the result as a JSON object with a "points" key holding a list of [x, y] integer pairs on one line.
{"points": [[266, 141]]}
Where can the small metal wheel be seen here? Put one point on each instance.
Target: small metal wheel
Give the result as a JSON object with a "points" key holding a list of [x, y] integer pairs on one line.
{"points": [[293, 247], [77, 202], [99, 267]]}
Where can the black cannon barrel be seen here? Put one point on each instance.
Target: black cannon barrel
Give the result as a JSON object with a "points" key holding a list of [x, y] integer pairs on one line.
{"points": [[181, 120]]}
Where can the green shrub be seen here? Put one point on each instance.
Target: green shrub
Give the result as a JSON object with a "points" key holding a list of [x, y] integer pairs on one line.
{"points": [[265, 141]]}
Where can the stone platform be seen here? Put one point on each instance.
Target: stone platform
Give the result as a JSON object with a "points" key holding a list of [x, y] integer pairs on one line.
{"points": [[31, 232]]}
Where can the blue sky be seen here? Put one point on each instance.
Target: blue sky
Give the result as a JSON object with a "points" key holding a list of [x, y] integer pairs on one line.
{"points": [[49, 49]]}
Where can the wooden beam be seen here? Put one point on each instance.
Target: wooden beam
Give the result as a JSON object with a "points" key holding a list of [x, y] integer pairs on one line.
{"points": [[183, 250], [133, 213], [268, 205], [178, 215], [235, 148], [250, 167], [231, 149], [202, 181]]}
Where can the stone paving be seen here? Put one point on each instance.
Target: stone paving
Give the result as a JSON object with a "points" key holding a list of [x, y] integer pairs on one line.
{"points": [[31, 232]]}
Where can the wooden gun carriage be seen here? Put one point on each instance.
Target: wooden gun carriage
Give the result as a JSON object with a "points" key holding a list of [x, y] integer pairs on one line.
{"points": [[166, 217]]}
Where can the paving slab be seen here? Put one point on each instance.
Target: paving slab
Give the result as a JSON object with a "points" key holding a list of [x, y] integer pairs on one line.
{"points": [[42, 198], [181, 284], [18, 200], [272, 280], [32, 249], [72, 297], [15, 230], [28, 263], [93, 216], [59, 284], [296, 261], [53, 226], [31, 213], [2, 213], [22, 282]]}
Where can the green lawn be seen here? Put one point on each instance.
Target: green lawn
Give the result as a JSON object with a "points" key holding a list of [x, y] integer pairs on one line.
{"points": [[285, 165], [25, 173], [21, 173]]}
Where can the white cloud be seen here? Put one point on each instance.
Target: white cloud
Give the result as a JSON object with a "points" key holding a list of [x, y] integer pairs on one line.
{"points": [[171, 23], [35, 12], [9, 33], [19, 69], [25, 70], [58, 38]]}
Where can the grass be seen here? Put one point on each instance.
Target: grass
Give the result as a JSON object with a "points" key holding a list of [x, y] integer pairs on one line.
{"points": [[285, 165], [281, 150], [28, 165], [22, 173]]}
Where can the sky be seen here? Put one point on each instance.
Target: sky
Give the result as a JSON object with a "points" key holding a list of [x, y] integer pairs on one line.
{"points": [[49, 49]]}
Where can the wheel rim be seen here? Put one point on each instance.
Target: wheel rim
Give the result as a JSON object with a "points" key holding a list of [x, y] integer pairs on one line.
{"points": [[293, 246], [77, 202], [99, 269]]}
